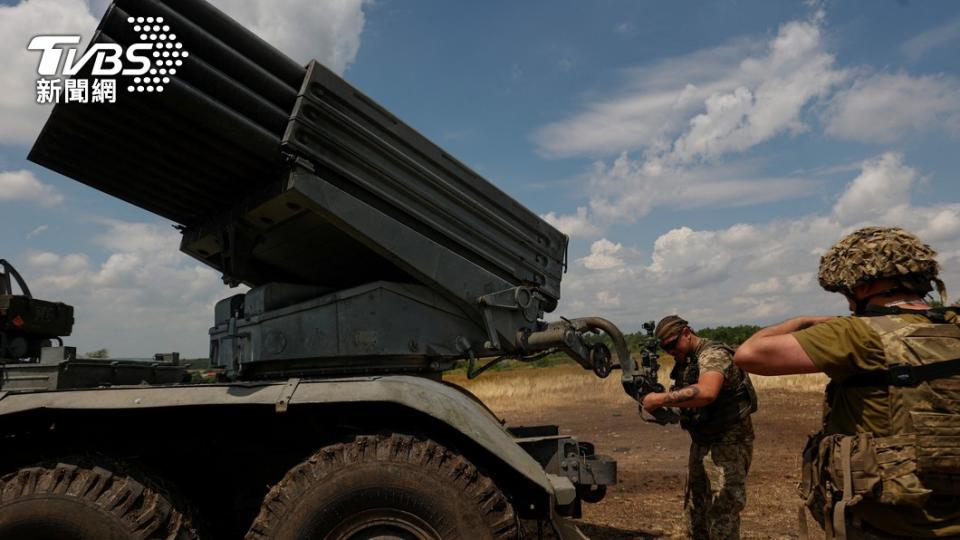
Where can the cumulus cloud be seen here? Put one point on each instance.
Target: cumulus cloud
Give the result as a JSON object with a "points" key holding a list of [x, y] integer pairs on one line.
{"points": [[304, 29], [24, 186], [697, 110], [607, 299], [675, 130], [690, 258], [576, 224], [761, 272], [794, 71], [738, 94], [627, 189], [655, 102], [604, 254], [886, 107], [883, 184], [767, 286], [138, 238], [142, 297]]}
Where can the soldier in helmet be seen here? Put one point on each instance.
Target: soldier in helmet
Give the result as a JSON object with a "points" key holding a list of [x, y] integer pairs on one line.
{"points": [[715, 399], [887, 461]]}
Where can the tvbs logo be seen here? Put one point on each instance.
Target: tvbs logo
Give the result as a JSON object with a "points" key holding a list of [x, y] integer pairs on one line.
{"points": [[150, 62]]}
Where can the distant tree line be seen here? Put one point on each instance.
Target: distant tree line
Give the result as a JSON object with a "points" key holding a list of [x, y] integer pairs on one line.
{"points": [[731, 335]]}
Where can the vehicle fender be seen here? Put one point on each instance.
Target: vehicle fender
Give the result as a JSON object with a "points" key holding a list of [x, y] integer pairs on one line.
{"points": [[440, 401]]}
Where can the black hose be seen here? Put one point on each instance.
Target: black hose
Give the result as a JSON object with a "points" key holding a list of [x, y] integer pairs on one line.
{"points": [[619, 343]]}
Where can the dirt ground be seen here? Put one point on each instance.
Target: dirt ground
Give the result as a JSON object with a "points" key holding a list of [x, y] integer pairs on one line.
{"points": [[647, 501]]}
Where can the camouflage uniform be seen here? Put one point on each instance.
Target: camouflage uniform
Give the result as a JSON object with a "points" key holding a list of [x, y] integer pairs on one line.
{"points": [[885, 464], [721, 448]]}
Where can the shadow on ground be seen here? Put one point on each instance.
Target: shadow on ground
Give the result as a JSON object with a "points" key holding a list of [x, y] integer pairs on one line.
{"points": [[604, 532]]}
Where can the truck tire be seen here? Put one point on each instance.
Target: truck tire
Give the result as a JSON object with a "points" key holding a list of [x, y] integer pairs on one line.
{"points": [[83, 501], [385, 486]]}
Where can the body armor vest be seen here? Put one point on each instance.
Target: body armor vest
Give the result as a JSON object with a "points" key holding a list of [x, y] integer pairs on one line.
{"points": [[920, 456], [732, 404]]}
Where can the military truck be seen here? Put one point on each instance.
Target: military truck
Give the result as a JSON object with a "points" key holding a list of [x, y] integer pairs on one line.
{"points": [[375, 261]]}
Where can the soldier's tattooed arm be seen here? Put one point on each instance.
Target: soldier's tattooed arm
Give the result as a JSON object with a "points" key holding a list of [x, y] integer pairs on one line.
{"points": [[681, 395], [696, 395]]}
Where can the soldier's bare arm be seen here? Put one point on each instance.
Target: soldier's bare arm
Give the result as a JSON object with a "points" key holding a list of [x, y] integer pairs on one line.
{"points": [[700, 394], [774, 351]]}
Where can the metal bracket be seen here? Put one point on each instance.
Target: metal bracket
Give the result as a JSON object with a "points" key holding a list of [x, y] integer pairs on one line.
{"points": [[563, 489], [286, 393], [236, 251]]}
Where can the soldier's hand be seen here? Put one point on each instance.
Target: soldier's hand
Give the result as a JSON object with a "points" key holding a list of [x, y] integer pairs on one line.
{"points": [[651, 402]]}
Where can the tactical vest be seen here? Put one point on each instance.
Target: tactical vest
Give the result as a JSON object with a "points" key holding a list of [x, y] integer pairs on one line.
{"points": [[921, 455], [731, 406]]}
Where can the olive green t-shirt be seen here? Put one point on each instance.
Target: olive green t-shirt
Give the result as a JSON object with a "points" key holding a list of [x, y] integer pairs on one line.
{"points": [[841, 347]]}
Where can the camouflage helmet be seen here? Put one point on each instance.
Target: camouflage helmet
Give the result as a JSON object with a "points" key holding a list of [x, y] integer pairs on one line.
{"points": [[669, 327], [873, 253]]}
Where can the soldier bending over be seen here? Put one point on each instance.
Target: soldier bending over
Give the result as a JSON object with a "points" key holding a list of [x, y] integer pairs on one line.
{"points": [[715, 399]]}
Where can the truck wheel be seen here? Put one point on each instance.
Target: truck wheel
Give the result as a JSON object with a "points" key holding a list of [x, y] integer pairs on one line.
{"points": [[385, 487], [70, 501]]}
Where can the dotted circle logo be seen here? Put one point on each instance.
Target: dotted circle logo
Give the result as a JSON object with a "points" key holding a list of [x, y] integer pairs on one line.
{"points": [[167, 55]]}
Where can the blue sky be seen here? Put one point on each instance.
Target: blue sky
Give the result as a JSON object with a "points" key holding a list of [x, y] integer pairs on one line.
{"points": [[700, 155]]}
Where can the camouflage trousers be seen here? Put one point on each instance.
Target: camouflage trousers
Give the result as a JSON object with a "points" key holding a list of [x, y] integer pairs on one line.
{"points": [[716, 489]]}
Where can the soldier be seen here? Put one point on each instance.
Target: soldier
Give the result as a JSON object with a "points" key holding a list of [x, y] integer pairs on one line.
{"points": [[715, 399], [887, 461]]}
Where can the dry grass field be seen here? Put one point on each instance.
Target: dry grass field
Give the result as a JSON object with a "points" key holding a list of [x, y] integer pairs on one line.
{"points": [[556, 385], [647, 501]]}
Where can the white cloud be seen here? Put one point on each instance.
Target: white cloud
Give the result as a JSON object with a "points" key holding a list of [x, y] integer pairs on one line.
{"points": [[689, 258], [607, 299], [577, 224], [143, 297], [794, 71], [139, 238], [655, 104], [24, 186], [603, 255], [768, 286], [43, 259], [934, 38], [628, 189], [304, 29], [22, 116], [696, 110], [762, 272], [802, 282], [883, 184], [886, 107], [37, 231], [691, 114], [718, 100]]}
